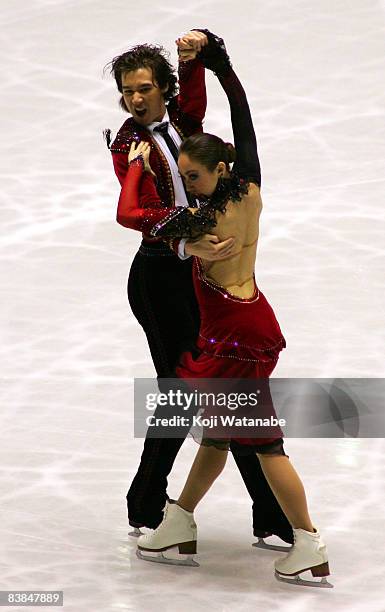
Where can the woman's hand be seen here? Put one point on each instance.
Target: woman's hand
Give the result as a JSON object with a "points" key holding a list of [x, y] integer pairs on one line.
{"points": [[139, 149], [142, 149]]}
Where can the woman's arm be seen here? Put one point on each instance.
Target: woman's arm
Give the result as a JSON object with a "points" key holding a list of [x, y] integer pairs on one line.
{"points": [[140, 206], [247, 161], [138, 193], [215, 57]]}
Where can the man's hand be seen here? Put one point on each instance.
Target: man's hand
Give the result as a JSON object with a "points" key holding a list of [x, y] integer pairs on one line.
{"points": [[190, 44], [209, 247]]}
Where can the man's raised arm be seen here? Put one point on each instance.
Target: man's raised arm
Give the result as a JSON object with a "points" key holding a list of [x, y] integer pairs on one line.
{"points": [[192, 99]]}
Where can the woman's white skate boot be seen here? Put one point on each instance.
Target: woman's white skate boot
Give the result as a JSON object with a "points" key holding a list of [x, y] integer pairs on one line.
{"points": [[308, 553], [178, 528]]}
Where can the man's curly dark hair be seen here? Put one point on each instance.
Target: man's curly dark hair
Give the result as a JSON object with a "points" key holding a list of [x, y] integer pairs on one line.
{"points": [[145, 56]]}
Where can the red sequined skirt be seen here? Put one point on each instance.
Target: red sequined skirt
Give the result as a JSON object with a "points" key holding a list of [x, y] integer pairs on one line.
{"points": [[238, 338]]}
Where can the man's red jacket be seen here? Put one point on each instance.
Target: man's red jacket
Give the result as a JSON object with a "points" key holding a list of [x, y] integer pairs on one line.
{"points": [[186, 112]]}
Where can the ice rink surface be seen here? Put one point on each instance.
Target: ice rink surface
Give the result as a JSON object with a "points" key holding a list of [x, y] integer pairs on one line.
{"points": [[314, 74]]}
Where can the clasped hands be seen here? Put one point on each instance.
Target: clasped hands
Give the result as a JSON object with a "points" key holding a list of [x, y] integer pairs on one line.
{"points": [[190, 44]]}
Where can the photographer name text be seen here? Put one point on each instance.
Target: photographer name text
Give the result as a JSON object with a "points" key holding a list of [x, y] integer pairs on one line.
{"points": [[214, 421]]}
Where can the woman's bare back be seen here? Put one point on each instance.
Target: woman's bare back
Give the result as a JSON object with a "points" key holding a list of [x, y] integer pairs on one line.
{"points": [[241, 220]]}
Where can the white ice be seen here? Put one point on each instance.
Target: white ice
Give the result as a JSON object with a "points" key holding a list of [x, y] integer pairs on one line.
{"points": [[314, 73]]}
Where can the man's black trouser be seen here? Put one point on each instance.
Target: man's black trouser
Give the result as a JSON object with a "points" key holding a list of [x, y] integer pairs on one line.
{"points": [[162, 298]]}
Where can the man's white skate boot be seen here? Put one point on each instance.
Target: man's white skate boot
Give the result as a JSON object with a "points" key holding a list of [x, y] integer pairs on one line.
{"points": [[308, 553], [178, 528]]}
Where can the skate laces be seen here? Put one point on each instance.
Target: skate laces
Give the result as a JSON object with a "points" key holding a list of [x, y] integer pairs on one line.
{"points": [[164, 517], [159, 528], [163, 523]]}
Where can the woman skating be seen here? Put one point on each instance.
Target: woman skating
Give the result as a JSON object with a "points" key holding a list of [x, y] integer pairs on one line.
{"points": [[239, 335]]}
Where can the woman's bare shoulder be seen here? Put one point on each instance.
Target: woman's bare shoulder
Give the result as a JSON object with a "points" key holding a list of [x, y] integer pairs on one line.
{"points": [[254, 194], [253, 188]]}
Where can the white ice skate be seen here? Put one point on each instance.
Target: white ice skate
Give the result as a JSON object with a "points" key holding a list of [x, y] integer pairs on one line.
{"points": [[308, 553], [261, 535], [178, 529]]}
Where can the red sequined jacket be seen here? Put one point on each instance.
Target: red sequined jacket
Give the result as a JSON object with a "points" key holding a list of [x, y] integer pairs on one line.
{"points": [[186, 112]]}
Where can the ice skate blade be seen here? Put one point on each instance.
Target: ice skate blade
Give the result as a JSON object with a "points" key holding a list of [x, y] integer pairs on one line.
{"points": [[136, 533], [323, 583], [160, 558], [262, 544]]}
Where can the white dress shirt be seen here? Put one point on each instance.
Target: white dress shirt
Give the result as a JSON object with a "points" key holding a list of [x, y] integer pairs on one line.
{"points": [[180, 194]]}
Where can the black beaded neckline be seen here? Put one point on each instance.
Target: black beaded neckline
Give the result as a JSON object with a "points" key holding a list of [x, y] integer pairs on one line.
{"points": [[182, 223], [232, 188]]}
